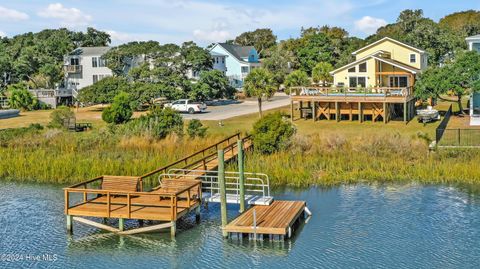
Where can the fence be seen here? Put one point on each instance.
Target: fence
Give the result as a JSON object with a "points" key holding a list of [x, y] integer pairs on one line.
{"points": [[460, 138], [443, 125]]}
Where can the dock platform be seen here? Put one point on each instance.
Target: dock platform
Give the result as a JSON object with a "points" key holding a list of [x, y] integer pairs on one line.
{"points": [[278, 219]]}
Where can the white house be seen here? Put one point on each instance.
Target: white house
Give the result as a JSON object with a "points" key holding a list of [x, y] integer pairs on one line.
{"points": [[239, 62], [474, 45], [219, 63], [85, 66]]}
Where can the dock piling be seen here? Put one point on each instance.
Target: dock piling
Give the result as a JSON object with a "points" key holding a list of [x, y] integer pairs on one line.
{"points": [[197, 214], [223, 192], [121, 224], [241, 172], [173, 228], [69, 223]]}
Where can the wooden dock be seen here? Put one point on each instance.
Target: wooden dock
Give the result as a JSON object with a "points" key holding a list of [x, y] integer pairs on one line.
{"points": [[276, 220]]}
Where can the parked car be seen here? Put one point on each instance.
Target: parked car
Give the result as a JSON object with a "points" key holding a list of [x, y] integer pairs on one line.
{"points": [[186, 105]]}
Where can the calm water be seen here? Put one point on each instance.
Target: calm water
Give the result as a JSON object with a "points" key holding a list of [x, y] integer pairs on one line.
{"points": [[404, 226]]}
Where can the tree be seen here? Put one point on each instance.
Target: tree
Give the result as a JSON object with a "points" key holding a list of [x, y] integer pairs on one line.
{"points": [[279, 61], [314, 48], [212, 84], [19, 97], [194, 58], [60, 117], [457, 77], [259, 83], [195, 128], [120, 111], [272, 133], [158, 123], [261, 39], [296, 79], [103, 91], [321, 73], [95, 38], [464, 23]]}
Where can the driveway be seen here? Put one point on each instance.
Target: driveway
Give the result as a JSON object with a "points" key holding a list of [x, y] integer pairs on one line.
{"points": [[225, 111]]}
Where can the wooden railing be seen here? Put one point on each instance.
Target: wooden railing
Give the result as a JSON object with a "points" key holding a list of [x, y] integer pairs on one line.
{"points": [[196, 157], [352, 92], [72, 68], [173, 196]]}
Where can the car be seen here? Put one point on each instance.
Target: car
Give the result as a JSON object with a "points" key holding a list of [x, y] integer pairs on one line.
{"points": [[186, 105]]}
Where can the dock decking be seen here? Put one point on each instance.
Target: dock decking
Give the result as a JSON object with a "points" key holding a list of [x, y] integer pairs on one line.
{"points": [[275, 219]]}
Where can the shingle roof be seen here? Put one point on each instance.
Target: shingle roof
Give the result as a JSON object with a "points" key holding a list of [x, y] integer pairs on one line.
{"points": [[213, 53], [90, 51], [239, 52]]}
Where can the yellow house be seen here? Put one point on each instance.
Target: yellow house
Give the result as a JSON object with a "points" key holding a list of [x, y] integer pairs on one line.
{"points": [[384, 63]]}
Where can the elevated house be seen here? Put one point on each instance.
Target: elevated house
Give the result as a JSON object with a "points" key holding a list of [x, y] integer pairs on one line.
{"points": [[378, 85], [239, 61], [474, 45]]}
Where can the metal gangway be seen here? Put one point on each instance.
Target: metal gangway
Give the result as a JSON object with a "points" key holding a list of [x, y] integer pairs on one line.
{"points": [[257, 185]]}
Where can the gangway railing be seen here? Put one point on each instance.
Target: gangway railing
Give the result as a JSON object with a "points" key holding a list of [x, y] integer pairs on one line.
{"points": [[257, 185]]}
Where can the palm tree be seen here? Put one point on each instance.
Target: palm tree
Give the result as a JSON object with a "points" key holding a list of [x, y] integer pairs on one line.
{"points": [[321, 72], [259, 83]]}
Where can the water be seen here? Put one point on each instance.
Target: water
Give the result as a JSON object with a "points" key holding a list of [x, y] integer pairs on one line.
{"points": [[392, 226]]}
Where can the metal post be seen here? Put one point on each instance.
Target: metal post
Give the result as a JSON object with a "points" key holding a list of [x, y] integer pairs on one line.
{"points": [[241, 172], [223, 193]]}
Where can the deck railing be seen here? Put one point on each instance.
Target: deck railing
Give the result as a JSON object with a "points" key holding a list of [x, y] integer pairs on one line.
{"points": [[366, 92], [91, 191]]}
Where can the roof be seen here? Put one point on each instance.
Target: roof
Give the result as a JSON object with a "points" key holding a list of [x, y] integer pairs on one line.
{"points": [[239, 52], [90, 51], [377, 57], [475, 37], [213, 53], [391, 40]]}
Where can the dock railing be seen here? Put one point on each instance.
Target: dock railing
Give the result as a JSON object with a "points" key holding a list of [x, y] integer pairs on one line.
{"points": [[366, 92], [91, 192]]}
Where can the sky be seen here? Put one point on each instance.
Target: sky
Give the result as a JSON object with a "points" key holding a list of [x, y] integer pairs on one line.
{"points": [[208, 21]]}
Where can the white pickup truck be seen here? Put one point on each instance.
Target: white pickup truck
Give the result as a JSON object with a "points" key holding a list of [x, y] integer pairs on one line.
{"points": [[186, 105]]}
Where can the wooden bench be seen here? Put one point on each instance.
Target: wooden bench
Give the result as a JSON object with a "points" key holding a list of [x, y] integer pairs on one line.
{"points": [[121, 183]]}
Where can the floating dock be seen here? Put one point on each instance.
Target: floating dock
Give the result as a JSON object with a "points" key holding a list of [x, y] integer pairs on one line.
{"points": [[278, 219]]}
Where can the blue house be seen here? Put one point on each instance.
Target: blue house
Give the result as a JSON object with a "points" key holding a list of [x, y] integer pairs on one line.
{"points": [[474, 45], [240, 61]]}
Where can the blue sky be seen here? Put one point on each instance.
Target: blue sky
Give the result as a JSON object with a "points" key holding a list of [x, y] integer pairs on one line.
{"points": [[207, 21]]}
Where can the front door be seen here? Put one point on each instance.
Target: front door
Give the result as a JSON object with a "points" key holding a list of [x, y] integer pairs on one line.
{"points": [[398, 81]]}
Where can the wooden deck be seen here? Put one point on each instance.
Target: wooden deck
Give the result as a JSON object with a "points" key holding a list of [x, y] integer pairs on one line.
{"points": [[276, 219]]}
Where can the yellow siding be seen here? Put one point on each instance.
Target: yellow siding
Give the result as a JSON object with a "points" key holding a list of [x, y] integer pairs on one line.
{"points": [[343, 75], [398, 53]]}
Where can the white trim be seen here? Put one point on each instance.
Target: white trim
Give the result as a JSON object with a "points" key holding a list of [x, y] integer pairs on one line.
{"points": [[410, 58], [389, 39], [399, 66], [350, 64]]}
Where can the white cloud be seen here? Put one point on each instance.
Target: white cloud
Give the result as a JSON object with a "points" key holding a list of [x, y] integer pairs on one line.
{"points": [[12, 14], [120, 37], [369, 25], [212, 36], [2, 34], [70, 17]]}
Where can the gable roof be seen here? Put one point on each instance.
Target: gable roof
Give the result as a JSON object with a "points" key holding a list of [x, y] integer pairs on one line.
{"points": [[387, 39], [239, 52], [475, 37], [385, 60], [90, 51]]}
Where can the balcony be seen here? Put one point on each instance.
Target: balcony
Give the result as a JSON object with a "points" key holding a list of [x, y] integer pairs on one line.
{"points": [[72, 69]]}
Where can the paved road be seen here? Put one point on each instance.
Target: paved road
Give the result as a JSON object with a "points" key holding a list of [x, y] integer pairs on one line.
{"points": [[222, 112]]}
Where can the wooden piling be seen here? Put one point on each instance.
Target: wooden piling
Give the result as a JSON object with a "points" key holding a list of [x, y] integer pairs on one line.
{"points": [[223, 191], [69, 223], [241, 172], [121, 224], [173, 228]]}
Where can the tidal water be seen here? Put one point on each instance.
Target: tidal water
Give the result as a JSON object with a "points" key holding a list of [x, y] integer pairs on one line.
{"points": [[360, 226]]}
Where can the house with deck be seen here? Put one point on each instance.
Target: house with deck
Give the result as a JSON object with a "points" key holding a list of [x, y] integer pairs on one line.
{"points": [[239, 61], [474, 45], [378, 85]]}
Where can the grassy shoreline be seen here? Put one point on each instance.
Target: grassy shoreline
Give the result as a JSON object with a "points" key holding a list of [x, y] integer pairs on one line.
{"points": [[322, 153]]}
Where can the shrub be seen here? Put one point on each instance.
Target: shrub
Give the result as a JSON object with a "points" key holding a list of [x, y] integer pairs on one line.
{"points": [[195, 128], [60, 117], [21, 98], [120, 111], [272, 133], [158, 124]]}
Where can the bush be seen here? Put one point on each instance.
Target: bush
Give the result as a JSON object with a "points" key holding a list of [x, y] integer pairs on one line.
{"points": [[120, 111], [60, 117], [158, 124], [20, 98], [195, 128], [272, 133]]}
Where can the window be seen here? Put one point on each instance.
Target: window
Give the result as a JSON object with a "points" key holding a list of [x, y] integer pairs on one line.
{"points": [[94, 61], [362, 68], [357, 82], [352, 70], [244, 69], [223, 60], [95, 78], [102, 62], [476, 47], [74, 61], [413, 58], [399, 81], [216, 58]]}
